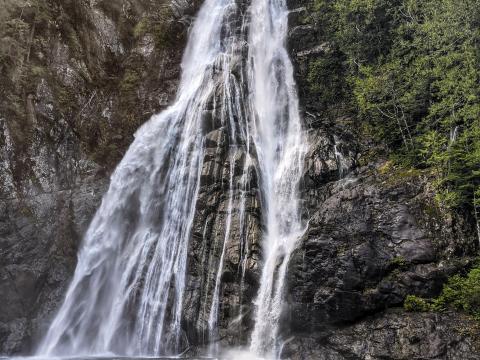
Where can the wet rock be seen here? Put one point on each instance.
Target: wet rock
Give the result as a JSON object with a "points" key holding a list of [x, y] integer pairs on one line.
{"points": [[225, 221]]}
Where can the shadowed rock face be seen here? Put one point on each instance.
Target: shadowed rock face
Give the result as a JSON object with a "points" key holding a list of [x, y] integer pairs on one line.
{"points": [[40, 236], [374, 234]]}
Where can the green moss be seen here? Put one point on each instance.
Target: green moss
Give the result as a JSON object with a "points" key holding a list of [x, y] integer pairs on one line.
{"points": [[414, 303], [162, 35], [398, 262], [386, 168], [26, 210], [160, 26], [65, 99], [396, 173], [342, 249], [130, 81], [37, 71], [141, 28]]}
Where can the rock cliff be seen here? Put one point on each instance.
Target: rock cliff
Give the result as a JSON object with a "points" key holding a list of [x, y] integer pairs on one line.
{"points": [[78, 77]]}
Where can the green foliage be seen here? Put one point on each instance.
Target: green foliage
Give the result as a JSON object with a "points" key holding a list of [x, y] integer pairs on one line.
{"points": [[460, 292], [362, 27], [160, 26], [412, 68], [416, 304], [325, 78]]}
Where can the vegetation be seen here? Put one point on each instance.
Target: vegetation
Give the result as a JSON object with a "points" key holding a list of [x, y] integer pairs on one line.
{"points": [[398, 262], [160, 26], [463, 293], [460, 292], [416, 304], [41, 40], [409, 73]]}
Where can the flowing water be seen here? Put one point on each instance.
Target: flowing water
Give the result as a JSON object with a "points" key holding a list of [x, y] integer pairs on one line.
{"points": [[280, 147], [128, 289]]}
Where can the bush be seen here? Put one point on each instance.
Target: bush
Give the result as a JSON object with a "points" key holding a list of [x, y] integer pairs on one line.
{"points": [[462, 293], [325, 77]]}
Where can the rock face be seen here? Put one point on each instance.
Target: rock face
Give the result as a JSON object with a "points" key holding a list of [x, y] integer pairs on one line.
{"points": [[77, 78], [393, 335], [375, 235], [40, 235], [87, 73], [372, 240], [237, 289]]}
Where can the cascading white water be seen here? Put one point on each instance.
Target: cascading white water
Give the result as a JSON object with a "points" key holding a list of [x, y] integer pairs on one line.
{"points": [[341, 162], [127, 292], [280, 145], [121, 299]]}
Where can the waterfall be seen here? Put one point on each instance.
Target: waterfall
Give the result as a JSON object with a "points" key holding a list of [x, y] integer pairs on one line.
{"points": [[340, 159], [278, 138], [127, 292]]}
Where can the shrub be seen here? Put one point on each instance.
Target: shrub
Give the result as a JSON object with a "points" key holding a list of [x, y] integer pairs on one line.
{"points": [[462, 293]]}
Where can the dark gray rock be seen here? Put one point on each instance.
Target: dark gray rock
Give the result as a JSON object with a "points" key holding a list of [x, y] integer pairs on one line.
{"points": [[392, 336], [38, 249], [370, 242]]}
